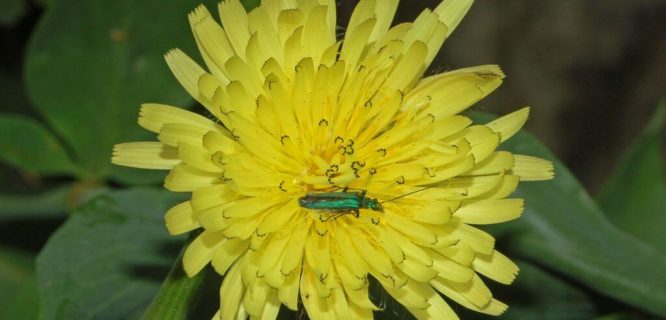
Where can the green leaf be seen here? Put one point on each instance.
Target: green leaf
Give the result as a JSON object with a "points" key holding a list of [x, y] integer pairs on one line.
{"points": [[13, 98], [28, 146], [18, 286], [174, 299], [250, 4], [634, 198], [109, 258], [54, 203], [181, 297], [90, 64], [563, 229]]}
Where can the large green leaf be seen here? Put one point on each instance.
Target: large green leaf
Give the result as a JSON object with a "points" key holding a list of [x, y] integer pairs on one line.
{"points": [[53, 203], [92, 63], [634, 198], [108, 260], [563, 229], [27, 145], [17, 285]]}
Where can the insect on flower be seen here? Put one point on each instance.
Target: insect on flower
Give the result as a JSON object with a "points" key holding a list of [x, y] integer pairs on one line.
{"points": [[345, 201], [340, 202], [299, 112]]}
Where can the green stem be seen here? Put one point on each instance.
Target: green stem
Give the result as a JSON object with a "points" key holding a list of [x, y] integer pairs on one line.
{"points": [[178, 296]]}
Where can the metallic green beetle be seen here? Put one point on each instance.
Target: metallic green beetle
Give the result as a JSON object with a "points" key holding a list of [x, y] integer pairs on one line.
{"points": [[340, 202]]}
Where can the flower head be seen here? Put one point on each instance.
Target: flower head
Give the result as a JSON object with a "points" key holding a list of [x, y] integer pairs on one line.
{"points": [[331, 163]]}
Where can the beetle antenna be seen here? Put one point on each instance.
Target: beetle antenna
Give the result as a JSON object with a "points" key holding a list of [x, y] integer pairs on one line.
{"points": [[406, 194]]}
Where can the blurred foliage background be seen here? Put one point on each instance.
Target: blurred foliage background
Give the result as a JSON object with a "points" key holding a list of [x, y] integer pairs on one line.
{"points": [[81, 239]]}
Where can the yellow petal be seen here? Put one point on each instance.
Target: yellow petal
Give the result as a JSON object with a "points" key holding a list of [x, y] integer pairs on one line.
{"points": [[288, 292], [451, 12], [411, 250], [509, 124], [350, 254], [278, 217], [255, 298], [435, 211], [395, 252], [293, 252], [316, 306], [496, 266], [215, 141], [231, 292], [272, 307], [372, 254], [212, 219], [317, 36], [153, 116], [448, 126], [184, 178], [288, 21], [251, 206], [145, 155], [241, 71], [497, 162], [450, 93], [227, 253], [473, 296], [449, 269], [411, 295], [242, 228], [174, 133], [187, 72], [460, 253], [507, 185], [384, 12], [197, 157], [199, 253], [410, 67], [415, 231], [180, 219], [318, 254], [479, 240], [211, 41], [482, 140], [235, 22], [269, 42], [417, 271], [532, 168], [438, 308], [271, 252], [211, 196], [359, 297], [356, 40], [490, 211], [428, 29]]}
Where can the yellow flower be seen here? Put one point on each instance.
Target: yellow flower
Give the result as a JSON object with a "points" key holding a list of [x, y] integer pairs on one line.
{"points": [[295, 112]]}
